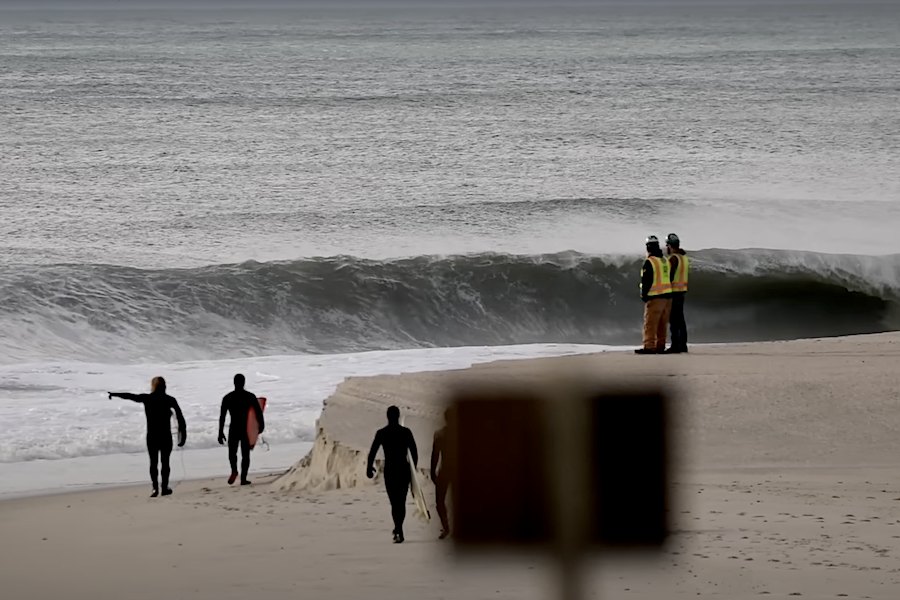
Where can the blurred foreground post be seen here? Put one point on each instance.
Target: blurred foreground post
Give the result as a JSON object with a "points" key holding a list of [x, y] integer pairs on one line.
{"points": [[567, 470]]}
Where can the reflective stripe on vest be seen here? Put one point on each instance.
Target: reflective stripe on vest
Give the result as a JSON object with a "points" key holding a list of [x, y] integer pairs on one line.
{"points": [[661, 284], [680, 280]]}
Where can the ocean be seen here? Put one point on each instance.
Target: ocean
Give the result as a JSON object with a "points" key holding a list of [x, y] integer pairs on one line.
{"points": [[303, 193]]}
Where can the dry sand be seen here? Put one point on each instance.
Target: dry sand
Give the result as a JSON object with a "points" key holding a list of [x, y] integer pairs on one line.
{"points": [[789, 487]]}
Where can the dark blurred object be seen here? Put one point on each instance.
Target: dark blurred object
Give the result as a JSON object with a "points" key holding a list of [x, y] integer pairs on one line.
{"points": [[499, 490], [567, 470], [629, 476]]}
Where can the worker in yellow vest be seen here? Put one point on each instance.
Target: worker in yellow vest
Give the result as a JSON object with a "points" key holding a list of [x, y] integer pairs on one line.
{"points": [[656, 292], [679, 265]]}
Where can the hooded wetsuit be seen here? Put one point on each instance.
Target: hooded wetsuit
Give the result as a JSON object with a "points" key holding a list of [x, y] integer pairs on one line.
{"points": [[158, 407], [238, 403], [396, 441]]}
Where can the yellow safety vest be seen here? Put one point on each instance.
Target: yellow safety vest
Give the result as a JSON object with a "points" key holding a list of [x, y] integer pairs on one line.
{"points": [[661, 284], [680, 280]]}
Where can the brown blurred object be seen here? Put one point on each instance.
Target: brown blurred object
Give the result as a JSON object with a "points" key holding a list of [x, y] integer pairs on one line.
{"points": [[565, 470]]}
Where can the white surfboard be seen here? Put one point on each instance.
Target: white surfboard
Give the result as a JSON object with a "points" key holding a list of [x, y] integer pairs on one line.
{"points": [[415, 488]]}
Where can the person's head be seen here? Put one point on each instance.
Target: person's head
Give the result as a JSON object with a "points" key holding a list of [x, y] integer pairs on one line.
{"points": [[157, 385], [652, 245], [673, 244], [239, 382], [393, 415], [449, 417]]}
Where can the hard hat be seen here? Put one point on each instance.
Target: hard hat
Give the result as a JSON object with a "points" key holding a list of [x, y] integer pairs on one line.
{"points": [[672, 240], [652, 239]]}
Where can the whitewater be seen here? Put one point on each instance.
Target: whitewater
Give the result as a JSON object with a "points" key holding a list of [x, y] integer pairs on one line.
{"points": [[302, 194]]}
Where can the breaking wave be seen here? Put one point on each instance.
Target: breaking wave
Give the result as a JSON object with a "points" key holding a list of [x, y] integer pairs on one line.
{"points": [[347, 304]]}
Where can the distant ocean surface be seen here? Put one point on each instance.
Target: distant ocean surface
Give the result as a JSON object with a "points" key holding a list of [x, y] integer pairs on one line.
{"points": [[286, 191]]}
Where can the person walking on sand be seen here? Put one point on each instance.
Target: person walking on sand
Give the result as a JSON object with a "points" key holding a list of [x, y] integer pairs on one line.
{"points": [[158, 408], [397, 441], [679, 265], [441, 476], [239, 403], [656, 293]]}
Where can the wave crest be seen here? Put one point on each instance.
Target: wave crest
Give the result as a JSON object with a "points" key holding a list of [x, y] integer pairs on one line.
{"points": [[347, 304]]}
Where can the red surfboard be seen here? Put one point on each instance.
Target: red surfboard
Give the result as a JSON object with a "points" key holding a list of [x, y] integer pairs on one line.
{"points": [[252, 424]]}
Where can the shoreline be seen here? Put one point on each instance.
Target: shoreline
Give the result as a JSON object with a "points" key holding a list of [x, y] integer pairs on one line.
{"points": [[132, 472], [80, 474], [788, 484]]}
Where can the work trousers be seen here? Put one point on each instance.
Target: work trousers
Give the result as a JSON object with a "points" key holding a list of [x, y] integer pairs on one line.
{"points": [[678, 326], [656, 323]]}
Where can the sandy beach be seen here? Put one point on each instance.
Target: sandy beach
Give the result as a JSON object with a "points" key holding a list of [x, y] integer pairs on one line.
{"points": [[788, 485]]}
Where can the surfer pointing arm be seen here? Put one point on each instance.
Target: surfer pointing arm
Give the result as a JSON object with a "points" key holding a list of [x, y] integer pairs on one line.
{"points": [[239, 403], [396, 441], [158, 408]]}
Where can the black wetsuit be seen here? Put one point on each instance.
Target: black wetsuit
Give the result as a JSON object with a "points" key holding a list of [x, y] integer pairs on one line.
{"points": [[158, 409], [396, 441], [441, 476], [239, 403]]}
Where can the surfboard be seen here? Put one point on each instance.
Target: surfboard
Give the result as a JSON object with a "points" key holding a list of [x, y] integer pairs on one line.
{"points": [[414, 487], [418, 496], [252, 424]]}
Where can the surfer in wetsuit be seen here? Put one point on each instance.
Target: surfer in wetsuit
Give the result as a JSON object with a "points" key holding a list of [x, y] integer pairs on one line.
{"points": [[238, 403], [442, 476], [396, 441], [158, 407]]}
